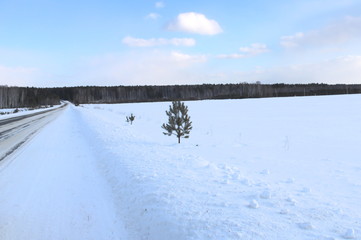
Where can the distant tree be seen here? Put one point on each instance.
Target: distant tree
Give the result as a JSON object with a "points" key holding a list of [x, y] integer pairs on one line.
{"points": [[179, 123], [131, 118]]}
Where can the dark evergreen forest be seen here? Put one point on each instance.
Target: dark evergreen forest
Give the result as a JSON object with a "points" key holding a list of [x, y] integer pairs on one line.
{"points": [[12, 97]]}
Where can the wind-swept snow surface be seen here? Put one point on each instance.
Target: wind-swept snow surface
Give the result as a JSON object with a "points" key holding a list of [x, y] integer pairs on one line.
{"points": [[277, 168], [282, 168]]}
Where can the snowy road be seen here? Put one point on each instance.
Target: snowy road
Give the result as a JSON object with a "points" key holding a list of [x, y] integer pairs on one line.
{"points": [[50, 188], [17, 130]]}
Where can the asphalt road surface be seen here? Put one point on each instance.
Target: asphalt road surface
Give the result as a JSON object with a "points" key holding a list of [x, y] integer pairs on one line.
{"points": [[15, 131]]}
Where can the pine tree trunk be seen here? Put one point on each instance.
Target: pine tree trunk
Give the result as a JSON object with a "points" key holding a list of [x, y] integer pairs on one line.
{"points": [[178, 140]]}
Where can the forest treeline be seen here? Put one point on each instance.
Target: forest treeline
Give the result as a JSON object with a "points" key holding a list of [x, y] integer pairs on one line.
{"points": [[11, 97], [14, 97]]}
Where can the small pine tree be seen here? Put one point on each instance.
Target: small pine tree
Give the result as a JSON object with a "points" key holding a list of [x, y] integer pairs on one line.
{"points": [[130, 118], [179, 123]]}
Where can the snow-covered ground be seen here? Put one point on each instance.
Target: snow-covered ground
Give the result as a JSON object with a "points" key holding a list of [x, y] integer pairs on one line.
{"points": [[284, 168], [276, 168], [51, 188], [14, 112]]}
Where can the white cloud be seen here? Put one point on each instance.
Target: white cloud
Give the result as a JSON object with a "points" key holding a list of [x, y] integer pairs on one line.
{"points": [[253, 50], [152, 16], [197, 23], [346, 69], [181, 57], [292, 41], [140, 42], [159, 5], [231, 56], [345, 30]]}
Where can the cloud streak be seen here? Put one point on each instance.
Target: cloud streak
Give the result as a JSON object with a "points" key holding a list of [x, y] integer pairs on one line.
{"points": [[254, 49], [152, 16], [151, 67], [342, 31], [195, 23], [159, 5], [341, 70], [250, 51], [162, 67], [181, 57], [153, 42], [231, 56]]}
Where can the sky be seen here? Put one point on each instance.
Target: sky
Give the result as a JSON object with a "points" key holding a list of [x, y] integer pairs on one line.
{"points": [[53, 43]]}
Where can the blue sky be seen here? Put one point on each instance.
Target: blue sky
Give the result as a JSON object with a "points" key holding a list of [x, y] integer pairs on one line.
{"points": [[47, 43]]}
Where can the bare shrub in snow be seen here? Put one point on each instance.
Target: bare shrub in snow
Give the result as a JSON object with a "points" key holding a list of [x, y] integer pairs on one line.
{"points": [[130, 119]]}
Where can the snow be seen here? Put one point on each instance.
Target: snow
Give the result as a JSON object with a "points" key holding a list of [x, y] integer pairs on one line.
{"points": [[350, 234], [4, 111], [284, 211], [51, 188], [266, 194], [9, 112], [276, 168], [253, 204], [306, 226]]}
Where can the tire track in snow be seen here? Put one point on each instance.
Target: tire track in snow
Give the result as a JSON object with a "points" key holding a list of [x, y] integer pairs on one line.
{"points": [[15, 131]]}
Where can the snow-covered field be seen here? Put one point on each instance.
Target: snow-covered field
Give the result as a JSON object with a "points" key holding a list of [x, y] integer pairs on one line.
{"points": [[277, 168]]}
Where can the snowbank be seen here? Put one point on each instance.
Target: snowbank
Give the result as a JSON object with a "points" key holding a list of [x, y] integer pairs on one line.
{"points": [[14, 112]]}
